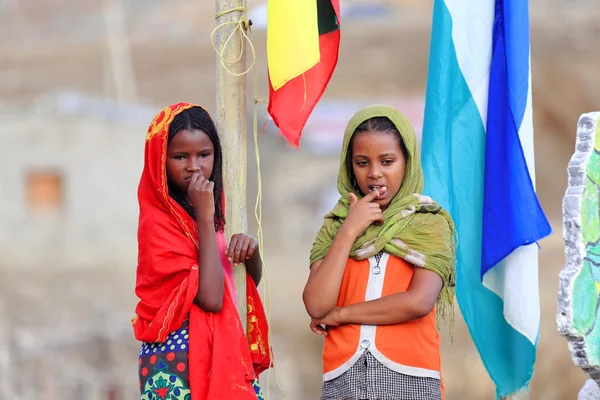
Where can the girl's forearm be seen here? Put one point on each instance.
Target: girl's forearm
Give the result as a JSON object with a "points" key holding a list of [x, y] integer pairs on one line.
{"points": [[211, 279], [389, 310], [254, 267]]}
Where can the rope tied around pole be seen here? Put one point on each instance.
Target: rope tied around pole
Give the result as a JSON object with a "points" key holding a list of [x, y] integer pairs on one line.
{"points": [[243, 25]]}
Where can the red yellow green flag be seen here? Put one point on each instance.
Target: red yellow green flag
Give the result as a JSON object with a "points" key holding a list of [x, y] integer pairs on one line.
{"points": [[303, 39]]}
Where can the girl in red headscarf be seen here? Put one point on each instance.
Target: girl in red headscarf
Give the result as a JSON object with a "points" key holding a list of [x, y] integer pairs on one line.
{"points": [[194, 344]]}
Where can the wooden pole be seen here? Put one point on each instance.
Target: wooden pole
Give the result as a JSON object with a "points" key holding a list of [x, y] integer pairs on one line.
{"points": [[231, 124], [6, 368], [121, 60]]}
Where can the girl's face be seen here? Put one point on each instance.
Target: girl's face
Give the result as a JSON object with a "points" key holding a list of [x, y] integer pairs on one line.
{"points": [[378, 164], [189, 152]]}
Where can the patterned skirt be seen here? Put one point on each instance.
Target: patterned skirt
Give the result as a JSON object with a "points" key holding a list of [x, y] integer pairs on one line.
{"points": [[368, 379], [163, 368]]}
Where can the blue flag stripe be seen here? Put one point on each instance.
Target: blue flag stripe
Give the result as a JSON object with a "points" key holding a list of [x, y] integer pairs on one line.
{"points": [[512, 215]]}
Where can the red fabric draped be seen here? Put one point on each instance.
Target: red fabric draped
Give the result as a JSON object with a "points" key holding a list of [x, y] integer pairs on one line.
{"points": [[223, 360]]}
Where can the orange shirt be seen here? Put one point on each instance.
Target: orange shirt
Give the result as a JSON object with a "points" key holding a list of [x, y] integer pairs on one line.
{"points": [[411, 348]]}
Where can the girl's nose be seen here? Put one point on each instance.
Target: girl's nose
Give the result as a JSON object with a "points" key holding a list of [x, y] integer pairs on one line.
{"points": [[374, 173]]}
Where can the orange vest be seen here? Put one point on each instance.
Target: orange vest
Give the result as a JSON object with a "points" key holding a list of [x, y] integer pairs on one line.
{"points": [[411, 348]]}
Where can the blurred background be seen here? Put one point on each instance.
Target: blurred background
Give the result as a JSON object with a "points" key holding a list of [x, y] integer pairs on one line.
{"points": [[80, 81]]}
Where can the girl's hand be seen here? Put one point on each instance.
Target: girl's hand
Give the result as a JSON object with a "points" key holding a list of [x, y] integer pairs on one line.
{"points": [[241, 248], [200, 192], [331, 320], [363, 213], [317, 328]]}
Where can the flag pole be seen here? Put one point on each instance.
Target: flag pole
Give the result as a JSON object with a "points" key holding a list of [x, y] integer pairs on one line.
{"points": [[119, 52], [231, 123]]}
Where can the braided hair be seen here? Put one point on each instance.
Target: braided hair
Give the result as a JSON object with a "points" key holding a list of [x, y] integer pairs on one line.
{"points": [[375, 124], [196, 118]]}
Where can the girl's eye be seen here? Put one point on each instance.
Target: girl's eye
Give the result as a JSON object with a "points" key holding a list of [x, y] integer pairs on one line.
{"points": [[361, 163], [204, 155], [179, 157], [387, 162]]}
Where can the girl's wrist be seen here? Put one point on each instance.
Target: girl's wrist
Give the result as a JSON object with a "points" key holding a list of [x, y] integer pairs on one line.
{"points": [[346, 232], [341, 316], [205, 222]]}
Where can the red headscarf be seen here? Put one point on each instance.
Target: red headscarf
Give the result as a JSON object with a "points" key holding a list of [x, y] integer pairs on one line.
{"points": [[223, 361]]}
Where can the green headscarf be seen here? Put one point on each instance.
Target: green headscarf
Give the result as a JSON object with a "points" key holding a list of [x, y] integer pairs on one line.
{"points": [[415, 229]]}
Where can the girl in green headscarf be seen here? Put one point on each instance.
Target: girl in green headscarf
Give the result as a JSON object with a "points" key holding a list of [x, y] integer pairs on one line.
{"points": [[382, 268]]}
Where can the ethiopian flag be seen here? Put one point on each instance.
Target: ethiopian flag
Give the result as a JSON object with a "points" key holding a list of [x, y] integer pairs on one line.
{"points": [[303, 40]]}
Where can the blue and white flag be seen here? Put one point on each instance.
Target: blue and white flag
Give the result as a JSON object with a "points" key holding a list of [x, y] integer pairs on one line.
{"points": [[477, 151]]}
